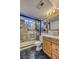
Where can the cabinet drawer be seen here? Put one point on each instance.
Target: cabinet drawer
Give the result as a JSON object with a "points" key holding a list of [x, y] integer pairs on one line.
{"points": [[55, 56]]}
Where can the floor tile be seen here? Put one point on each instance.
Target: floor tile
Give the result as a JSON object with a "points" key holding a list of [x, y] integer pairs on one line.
{"points": [[32, 54]]}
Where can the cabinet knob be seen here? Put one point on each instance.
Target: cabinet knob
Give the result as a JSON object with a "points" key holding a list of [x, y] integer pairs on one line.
{"points": [[56, 49]]}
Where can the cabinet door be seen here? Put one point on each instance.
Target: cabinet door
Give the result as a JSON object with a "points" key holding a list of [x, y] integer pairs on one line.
{"points": [[55, 48], [47, 46], [55, 51]]}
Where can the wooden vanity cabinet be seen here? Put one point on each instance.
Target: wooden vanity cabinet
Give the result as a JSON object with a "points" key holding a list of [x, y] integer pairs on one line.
{"points": [[51, 47]]}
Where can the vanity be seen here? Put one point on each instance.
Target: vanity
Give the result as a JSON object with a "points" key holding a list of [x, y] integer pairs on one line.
{"points": [[51, 46]]}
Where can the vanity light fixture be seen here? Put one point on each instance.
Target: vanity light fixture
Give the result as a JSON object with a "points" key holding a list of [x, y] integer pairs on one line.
{"points": [[52, 12]]}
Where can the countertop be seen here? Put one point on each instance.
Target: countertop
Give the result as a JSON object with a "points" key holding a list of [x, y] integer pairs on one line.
{"points": [[48, 35]]}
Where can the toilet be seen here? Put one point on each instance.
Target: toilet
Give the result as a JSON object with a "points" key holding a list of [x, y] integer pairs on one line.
{"points": [[38, 44]]}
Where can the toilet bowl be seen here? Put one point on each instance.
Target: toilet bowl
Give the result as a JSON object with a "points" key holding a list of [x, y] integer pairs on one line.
{"points": [[38, 45]]}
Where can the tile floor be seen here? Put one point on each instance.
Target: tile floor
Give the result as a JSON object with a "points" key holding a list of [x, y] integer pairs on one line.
{"points": [[32, 54]]}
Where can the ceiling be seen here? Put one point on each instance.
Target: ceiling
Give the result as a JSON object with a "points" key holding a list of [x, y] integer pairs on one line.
{"points": [[33, 8]]}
